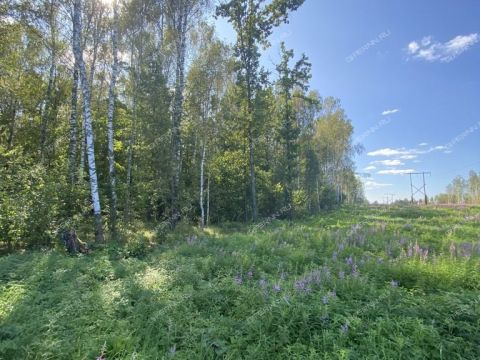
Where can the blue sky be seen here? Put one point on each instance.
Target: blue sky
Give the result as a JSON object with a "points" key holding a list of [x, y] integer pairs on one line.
{"points": [[408, 75]]}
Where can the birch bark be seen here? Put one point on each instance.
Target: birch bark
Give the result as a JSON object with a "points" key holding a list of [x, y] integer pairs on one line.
{"points": [[87, 115]]}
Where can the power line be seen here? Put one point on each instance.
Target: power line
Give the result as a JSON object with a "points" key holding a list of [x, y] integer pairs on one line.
{"points": [[422, 189]]}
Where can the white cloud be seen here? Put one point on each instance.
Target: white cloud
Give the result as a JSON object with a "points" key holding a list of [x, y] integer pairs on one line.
{"points": [[389, 112], [413, 47], [431, 50], [388, 152], [389, 162], [423, 144], [369, 168], [403, 153], [408, 157], [371, 185], [395, 171]]}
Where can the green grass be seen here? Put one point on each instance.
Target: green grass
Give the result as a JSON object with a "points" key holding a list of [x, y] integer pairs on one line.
{"points": [[286, 291]]}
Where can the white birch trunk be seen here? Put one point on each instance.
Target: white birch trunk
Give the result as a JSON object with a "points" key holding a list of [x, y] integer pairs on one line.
{"points": [[87, 115], [208, 199], [202, 165], [72, 152]]}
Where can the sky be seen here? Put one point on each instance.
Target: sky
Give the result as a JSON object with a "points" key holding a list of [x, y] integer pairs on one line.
{"points": [[408, 76]]}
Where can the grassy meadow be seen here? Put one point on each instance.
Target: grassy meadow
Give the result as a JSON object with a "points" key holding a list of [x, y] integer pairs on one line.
{"points": [[355, 283]]}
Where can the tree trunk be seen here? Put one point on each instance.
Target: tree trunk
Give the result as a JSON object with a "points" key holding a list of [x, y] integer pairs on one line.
{"points": [[72, 150], [177, 112], [202, 164], [87, 115], [111, 110], [51, 82], [208, 199], [11, 127], [252, 175], [83, 150]]}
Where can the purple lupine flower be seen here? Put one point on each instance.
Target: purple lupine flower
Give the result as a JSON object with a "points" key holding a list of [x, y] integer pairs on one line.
{"points": [[325, 300], [402, 241], [250, 274], [277, 288], [332, 293], [173, 349], [410, 251], [355, 272], [349, 260], [394, 283], [238, 279], [326, 270], [341, 274], [467, 249], [315, 277], [334, 256], [262, 282], [344, 328], [341, 247], [418, 249], [283, 276], [424, 254], [300, 285]]}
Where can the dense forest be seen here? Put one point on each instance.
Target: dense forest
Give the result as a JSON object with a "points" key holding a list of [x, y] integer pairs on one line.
{"points": [[119, 112]]}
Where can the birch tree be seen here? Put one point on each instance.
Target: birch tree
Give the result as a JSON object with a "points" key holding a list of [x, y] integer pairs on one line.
{"points": [[87, 116], [72, 149], [181, 16], [207, 80]]}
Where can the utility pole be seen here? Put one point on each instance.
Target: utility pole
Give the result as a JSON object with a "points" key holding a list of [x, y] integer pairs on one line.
{"points": [[389, 198], [422, 189]]}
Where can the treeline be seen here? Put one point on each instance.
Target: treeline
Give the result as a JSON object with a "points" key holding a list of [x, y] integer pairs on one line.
{"points": [[125, 111], [461, 190]]}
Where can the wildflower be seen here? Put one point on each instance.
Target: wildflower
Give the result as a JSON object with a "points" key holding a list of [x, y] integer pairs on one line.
{"points": [[277, 288], [344, 328], [250, 274], [173, 349], [334, 256], [349, 260], [315, 277], [393, 283], [418, 249], [283, 276], [410, 251], [325, 300], [238, 279], [302, 285], [332, 293], [341, 274], [262, 282], [424, 254]]}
